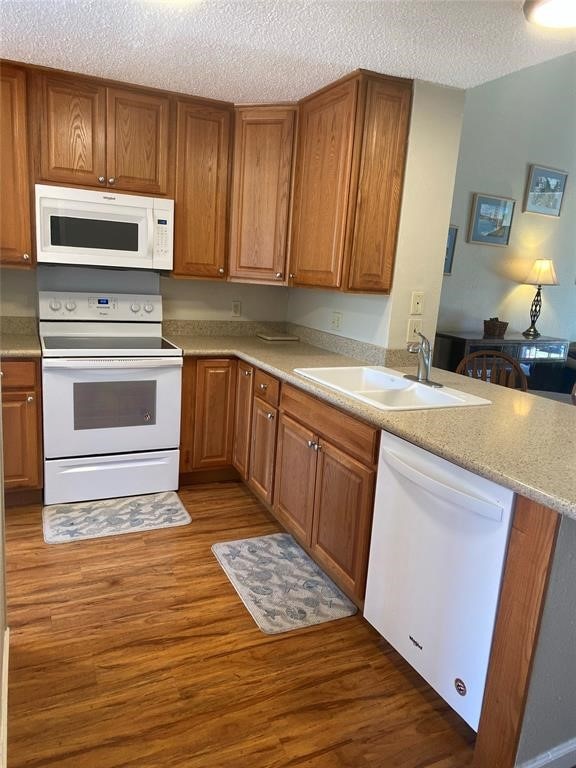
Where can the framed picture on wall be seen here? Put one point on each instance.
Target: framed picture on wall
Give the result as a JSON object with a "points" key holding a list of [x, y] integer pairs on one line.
{"points": [[544, 190], [490, 220], [452, 233]]}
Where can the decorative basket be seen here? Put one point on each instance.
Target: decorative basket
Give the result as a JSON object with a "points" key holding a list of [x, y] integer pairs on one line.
{"points": [[494, 328]]}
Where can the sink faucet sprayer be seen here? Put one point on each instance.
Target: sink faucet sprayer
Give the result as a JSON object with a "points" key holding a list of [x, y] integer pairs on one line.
{"points": [[424, 351]]}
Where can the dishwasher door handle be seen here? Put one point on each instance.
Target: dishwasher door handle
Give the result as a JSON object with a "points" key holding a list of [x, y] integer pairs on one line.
{"points": [[479, 506]]}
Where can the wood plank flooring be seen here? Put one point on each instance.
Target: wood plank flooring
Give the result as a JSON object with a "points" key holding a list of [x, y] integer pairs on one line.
{"points": [[135, 652]]}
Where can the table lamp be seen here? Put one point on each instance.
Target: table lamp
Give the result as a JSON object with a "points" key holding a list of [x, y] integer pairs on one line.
{"points": [[542, 273]]}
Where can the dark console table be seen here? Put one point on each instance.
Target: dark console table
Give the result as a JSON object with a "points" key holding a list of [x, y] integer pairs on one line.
{"points": [[542, 359]]}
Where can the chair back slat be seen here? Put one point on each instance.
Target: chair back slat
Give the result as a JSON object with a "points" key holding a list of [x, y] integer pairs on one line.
{"points": [[494, 367]]}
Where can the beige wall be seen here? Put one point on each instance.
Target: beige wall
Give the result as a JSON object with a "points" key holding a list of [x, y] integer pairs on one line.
{"points": [[525, 118]]}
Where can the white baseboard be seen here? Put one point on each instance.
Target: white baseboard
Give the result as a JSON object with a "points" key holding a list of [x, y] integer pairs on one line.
{"points": [[562, 756], [4, 701]]}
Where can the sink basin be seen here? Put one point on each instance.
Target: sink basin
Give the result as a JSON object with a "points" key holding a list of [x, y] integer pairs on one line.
{"points": [[388, 389]]}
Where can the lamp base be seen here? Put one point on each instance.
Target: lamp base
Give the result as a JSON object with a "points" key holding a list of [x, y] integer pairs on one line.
{"points": [[531, 333]]}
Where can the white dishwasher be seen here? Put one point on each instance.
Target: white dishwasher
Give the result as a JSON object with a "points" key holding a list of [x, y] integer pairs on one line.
{"points": [[438, 546]]}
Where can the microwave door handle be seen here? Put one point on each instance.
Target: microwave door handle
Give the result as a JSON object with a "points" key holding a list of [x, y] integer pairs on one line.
{"points": [[151, 234]]}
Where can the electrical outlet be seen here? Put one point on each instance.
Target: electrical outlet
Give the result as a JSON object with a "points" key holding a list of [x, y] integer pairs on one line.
{"points": [[336, 321], [236, 308], [414, 327], [417, 303]]}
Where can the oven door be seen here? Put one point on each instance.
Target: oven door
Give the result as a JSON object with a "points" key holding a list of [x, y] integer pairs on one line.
{"points": [[100, 406]]}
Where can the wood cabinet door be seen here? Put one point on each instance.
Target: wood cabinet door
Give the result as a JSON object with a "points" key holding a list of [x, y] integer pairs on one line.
{"points": [[187, 414], [263, 453], [137, 141], [15, 224], [21, 439], [214, 413], [71, 120], [377, 211], [343, 508], [243, 418], [295, 477], [202, 159], [264, 138], [322, 186]]}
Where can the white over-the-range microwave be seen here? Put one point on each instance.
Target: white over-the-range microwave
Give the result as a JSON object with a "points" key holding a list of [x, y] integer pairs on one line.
{"points": [[103, 228]]}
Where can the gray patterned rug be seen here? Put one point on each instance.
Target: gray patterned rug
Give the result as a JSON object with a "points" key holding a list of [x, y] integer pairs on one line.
{"points": [[109, 517], [280, 585]]}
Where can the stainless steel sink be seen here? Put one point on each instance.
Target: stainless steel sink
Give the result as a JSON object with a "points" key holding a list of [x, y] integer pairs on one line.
{"points": [[388, 389]]}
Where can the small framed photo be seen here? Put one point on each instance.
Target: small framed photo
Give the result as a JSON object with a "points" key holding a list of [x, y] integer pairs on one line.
{"points": [[544, 190], [449, 258], [490, 220]]}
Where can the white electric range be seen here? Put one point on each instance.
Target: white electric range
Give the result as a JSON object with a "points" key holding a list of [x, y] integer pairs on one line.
{"points": [[111, 396]]}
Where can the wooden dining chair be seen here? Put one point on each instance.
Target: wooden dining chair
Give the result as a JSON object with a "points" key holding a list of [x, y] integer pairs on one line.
{"points": [[495, 367]]}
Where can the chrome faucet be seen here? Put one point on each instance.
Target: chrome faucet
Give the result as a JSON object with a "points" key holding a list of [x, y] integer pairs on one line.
{"points": [[424, 351]]}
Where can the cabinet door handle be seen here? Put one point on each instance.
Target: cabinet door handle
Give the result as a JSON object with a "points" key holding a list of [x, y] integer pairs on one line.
{"points": [[247, 372], [317, 447], [311, 443], [220, 270], [269, 415], [30, 399], [25, 257], [263, 387], [111, 180], [292, 275], [278, 275], [101, 179]]}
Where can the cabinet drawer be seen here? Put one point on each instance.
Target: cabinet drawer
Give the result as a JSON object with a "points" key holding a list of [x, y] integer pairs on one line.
{"points": [[267, 387], [352, 435], [18, 374]]}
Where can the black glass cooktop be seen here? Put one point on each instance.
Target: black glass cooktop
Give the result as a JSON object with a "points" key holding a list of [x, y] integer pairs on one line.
{"points": [[107, 342]]}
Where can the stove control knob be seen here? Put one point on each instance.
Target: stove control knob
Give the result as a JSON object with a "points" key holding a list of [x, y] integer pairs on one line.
{"points": [[148, 307], [135, 307], [70, 306], [55, 305]]}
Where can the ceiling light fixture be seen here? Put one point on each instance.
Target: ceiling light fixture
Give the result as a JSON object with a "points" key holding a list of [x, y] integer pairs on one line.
{"points": [[559, 14]]}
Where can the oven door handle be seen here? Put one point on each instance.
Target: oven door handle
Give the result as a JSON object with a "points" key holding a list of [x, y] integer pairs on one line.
{"points": [[85, 364]]}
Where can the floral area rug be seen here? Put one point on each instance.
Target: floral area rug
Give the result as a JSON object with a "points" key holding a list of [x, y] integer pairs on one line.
{"points": [[110, 517], [280, 584]]}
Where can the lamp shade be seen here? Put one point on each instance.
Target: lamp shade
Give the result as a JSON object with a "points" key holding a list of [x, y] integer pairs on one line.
{"points": [[559, 14], [542, 273]]}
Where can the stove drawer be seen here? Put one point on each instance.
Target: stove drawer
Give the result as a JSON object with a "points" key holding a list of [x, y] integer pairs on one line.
{"points": [[107, 477]]}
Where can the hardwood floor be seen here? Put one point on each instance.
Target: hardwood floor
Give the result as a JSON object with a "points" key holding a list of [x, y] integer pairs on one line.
{"points": [[135, 652]]}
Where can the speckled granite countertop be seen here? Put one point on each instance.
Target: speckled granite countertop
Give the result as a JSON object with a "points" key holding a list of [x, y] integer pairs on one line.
{"points": [[19, 345], [522, 441]]}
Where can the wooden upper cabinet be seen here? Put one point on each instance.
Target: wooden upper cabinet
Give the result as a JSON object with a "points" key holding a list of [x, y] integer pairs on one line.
{"points": [[138, 136], [378, 199], [71, 121], [351, 154], [325, 145], [15, 224], [263, 144], [91, 135], [202, 159]]}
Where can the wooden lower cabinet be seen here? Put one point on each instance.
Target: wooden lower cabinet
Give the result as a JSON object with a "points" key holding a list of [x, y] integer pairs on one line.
{"points": [[324, 496], [21, 416], [343, 503], [214, 413], [243, 418], [263, 450]]}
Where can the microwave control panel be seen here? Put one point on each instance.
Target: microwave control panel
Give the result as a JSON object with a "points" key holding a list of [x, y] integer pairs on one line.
{"points": [[58, 305]]}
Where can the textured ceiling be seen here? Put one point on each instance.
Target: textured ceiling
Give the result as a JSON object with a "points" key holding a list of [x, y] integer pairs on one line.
{"points": [[274, 50]]}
